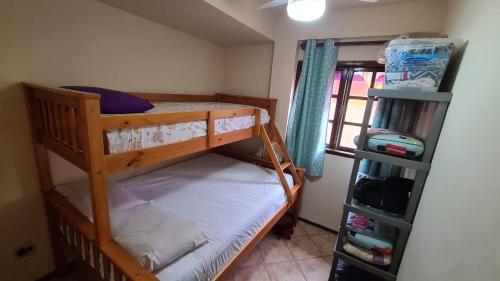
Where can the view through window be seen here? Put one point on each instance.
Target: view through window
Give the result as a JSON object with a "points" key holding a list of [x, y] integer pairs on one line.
{"points": [[348, 102]]}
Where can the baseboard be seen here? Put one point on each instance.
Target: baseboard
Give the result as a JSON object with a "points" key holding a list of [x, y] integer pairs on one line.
{"points": [[319, 226]]}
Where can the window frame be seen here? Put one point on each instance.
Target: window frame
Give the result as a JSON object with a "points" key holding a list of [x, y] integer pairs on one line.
{"points": [[347, 68]]}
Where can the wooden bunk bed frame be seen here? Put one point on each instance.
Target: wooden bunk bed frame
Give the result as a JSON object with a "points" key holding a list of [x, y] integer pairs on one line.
{"points": [[70, 124]]}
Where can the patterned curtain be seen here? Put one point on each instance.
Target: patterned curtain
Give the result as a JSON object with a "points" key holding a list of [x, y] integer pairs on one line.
{"points": [[307, 121]]}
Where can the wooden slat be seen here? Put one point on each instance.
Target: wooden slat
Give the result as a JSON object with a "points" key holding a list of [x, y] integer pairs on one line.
{"points": [[284, 151], [256, 127], [231, 113], [285, 165], [106, 269], [266, 103], [72, 156], [151, 119], [117, 275], [126, 161], [234, 136], [71, 214], [62, 111], [33, 108], [72, 128], [211, 129], [276, 164], [97, 263], [128, 265]]}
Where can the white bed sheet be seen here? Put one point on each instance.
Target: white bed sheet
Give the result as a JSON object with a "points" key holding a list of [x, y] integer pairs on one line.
{"points": [[229, 200], [122, 140]]}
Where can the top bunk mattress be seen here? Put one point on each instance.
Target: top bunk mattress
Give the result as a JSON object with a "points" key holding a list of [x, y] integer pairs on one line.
{"points": [[229, 200], [129, 139]]}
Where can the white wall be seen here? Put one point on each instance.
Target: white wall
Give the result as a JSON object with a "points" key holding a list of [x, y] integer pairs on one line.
{"points": [[247, 70], [323, 198], [80, 42], [455, 235]]}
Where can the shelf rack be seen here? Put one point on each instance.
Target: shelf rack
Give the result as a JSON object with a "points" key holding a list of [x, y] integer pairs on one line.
{"points": [[403, 224]]}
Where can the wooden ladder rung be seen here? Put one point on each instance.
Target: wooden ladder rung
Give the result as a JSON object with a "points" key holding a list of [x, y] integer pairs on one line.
{"points": [[275, 142], [285, 165], [295, 186]]}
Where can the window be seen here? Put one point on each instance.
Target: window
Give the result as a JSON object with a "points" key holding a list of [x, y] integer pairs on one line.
{"points": [[349, 97]]}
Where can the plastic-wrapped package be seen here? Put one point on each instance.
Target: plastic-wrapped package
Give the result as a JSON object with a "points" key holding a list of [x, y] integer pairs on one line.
{"points": [[417, 63]]}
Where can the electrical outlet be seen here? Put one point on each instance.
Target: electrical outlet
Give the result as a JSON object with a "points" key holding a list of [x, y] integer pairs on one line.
{"points": [[25, 250]]}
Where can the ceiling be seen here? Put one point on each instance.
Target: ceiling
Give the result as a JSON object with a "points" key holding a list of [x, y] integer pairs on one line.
{"points": [[197, 18], [344, 4]]}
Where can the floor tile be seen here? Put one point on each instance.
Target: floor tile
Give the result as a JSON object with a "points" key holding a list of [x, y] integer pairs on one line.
{"points": [[311, 229], [302, 247], [324, 242], [328, 259], [299, 230], [255, 258], [285, 271], [315, 269], [275, 250], [271, 235], [252, 273]]}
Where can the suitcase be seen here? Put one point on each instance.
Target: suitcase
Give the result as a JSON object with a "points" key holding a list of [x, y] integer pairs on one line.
{"points": [[393, 143]]}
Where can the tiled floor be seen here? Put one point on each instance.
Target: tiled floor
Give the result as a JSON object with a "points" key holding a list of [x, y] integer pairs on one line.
{"points": [[306, 257]]}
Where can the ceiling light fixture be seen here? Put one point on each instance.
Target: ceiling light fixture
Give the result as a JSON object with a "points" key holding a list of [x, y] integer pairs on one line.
{"points": [[306, 10]]}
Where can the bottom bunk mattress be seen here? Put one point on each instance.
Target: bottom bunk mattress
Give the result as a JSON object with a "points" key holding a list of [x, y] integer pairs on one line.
{"points": [[229, 200]]}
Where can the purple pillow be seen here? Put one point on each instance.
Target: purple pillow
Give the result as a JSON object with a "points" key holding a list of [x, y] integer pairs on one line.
{"points": [[115, 102]]}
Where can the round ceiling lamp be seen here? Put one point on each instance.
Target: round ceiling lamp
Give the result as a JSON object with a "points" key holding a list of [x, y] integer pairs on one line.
{"points": [[306, 10]]}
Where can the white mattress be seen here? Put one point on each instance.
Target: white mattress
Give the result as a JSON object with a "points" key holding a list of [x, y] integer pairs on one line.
{"points": [[228, 199], [122, 140]]}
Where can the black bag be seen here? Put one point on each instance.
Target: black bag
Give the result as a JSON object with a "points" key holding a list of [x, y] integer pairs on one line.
{"points": [[390, 194], [345, 272]]}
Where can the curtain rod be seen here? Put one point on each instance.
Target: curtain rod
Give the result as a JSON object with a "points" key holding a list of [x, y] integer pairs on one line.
{"points": [[348, 43]]}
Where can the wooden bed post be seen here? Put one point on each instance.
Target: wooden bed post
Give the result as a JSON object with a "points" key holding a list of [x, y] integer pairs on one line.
{"points": [[94, 153], [45, 178]]}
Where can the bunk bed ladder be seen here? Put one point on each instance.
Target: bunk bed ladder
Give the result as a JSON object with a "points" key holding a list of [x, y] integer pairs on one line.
{"points": [[279, 166]]}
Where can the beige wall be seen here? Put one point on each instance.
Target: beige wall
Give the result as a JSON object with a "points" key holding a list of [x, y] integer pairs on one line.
{"points": [[247, 70], [246, 12], [323, 198], [455, 235], [81, 42]]}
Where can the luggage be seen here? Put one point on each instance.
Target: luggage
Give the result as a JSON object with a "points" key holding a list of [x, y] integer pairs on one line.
{"points": [[417, 63], [390, 194], [393, 143], [370, 234]]}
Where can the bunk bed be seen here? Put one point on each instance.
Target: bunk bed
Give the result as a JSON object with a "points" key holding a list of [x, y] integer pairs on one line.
{"points": [[70, 124]]}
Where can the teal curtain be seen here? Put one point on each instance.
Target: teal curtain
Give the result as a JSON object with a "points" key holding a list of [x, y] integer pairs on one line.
{"points": [[307, 121], [387, 116]]}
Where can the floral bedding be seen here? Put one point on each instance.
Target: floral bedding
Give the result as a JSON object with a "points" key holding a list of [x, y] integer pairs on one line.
{"points": [[122, 140]]}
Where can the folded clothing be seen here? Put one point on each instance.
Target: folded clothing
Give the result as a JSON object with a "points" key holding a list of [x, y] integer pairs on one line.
{"points": [[153, 236], [370, 234], [367, 255]]}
